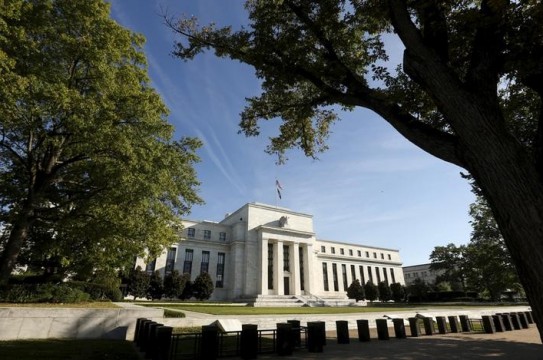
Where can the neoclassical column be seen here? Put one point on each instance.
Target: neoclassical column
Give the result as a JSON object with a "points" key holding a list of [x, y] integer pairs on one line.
{"points": [[264, 267], [278, 275], [295, 269], [311, 273]]}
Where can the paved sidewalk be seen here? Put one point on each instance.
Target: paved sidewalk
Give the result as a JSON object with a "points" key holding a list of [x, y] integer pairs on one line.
{"points": [[518, 345]]}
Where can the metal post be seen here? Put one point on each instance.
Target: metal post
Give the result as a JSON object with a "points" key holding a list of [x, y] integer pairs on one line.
{"points": [[363, 330], [453, 323], [413, 326], [399, 328], [342, 332], [249, 341], [382, 329], [441, 324]]}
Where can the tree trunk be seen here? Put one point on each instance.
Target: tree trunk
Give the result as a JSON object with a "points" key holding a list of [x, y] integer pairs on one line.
{"points": [[507, 175], [17, 237]]}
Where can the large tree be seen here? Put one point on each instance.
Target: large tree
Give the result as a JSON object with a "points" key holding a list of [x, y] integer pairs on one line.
{"points": [[451, 264], [90, 175], [468, 90], [489, 263]]}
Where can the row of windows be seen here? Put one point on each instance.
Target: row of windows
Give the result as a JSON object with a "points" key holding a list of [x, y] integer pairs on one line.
{"points": [[361, 278], [416, 274], [187, 264], [191, 233], [358, 252]]}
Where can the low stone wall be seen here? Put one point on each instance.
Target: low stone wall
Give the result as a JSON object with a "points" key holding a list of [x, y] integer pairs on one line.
{"points": [[18, 323], [270, 321]]}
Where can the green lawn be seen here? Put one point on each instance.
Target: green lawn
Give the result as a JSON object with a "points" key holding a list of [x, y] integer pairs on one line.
{"points": [[245, 310], [54, 349]]}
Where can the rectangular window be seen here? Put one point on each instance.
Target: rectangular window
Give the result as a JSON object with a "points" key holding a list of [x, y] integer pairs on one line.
{"points": [[222, 236], [385, 274], [367, 254], [325, 276], [170, 260], [150, 267], [375, 255], [323, 249], [301, 258], [187, 266], [353, 273], [334, 276], [204, 265], [389, 257], [350, 252], [220, 271], [392, 277], [270, 266], [362, 279], [333, 250], [344, 273], [359, 253], [341, 251], [370, 275], [191, 232], [207, 234], [382, 256], [286, 258]]}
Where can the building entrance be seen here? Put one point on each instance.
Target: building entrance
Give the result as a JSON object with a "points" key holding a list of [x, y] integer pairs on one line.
{"points": [[286, 285]]}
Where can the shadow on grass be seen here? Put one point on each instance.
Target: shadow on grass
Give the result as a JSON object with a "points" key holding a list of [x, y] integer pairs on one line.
{"points": [[53, 349]]}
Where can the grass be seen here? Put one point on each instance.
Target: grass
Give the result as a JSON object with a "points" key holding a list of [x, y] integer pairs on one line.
{"points": [[245, 310], [54, 349], [83, 305]]}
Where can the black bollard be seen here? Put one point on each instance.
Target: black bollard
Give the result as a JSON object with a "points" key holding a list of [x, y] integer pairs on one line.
{"points": [[139, 324], [523, 320], [249, 341], [342, 332], [441, 324], [296, 333], [164, 341], [363, 330], [414, 326], [209, 344], [488, 324], [284, 345], [506, 319], [151, 348], [382, 329], [498, 323], [464, 323], [144, 335], [428, 325], [515, 321], [529, 317], [453, 323], [399, 328], [315, 338]]}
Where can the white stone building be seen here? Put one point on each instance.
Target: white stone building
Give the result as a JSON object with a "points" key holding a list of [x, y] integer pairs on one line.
{"points": [[264, 252], [422, 272]]}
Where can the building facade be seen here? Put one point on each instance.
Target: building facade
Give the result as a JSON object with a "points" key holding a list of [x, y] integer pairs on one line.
{"points": [[422, 272], [261, 250]]}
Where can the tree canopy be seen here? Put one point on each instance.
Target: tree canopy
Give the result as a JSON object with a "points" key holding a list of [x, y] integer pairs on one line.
{"points": [[468, 89], [90, 175]]}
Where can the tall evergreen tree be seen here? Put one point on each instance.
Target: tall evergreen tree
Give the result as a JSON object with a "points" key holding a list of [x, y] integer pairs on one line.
{"points": [[371, 290], [356, 291]]}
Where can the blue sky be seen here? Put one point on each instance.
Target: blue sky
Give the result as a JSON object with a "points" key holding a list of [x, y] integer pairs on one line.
{"points": [[372, 186]]}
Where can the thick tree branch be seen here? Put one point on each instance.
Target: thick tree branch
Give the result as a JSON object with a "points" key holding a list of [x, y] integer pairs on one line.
{"points": [[487, 49]]}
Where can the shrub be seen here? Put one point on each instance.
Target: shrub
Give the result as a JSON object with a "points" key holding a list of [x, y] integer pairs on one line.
{"points": [[202, 288], [98, 291], [356, 291], [173, 314], [51, 293]]}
